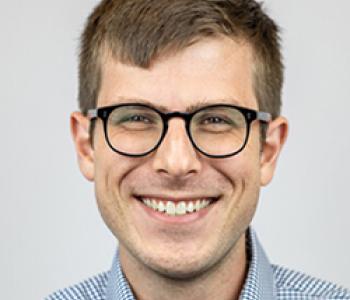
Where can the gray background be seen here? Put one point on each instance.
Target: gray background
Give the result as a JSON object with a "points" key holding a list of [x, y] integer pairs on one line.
{"points": [[52, 235]]}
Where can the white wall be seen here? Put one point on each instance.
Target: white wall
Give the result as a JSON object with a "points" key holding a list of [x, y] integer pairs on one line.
{"points": [[52, 234]]}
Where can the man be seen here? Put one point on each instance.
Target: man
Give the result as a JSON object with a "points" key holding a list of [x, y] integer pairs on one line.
{"points": [[179, 128]]}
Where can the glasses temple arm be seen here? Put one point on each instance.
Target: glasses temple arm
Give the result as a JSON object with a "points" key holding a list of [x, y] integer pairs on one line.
{"points": [[263, 116], [92, 113]]}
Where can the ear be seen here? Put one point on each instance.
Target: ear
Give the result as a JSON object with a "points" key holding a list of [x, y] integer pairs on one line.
{"points": [[276, 136], [79, 125]]}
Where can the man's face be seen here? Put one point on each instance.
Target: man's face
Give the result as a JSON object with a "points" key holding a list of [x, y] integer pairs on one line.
{"points": [[210, 71]]}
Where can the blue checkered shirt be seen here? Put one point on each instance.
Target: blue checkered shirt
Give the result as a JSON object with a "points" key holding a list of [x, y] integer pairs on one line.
{"points": [[264, 282]]}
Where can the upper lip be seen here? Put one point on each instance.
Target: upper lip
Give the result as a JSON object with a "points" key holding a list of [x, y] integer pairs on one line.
{"points": [[176, 199]]}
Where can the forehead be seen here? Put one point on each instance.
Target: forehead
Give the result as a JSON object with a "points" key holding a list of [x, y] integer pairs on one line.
{"points": [[210, 71]]}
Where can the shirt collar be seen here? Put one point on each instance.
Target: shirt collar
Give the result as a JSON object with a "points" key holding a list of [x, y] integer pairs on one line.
{"points": [[118, 287], [259, 284]]}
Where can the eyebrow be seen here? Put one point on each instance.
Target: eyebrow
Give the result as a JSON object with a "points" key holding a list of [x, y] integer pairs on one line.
{"points": [[203, 103], [193, 107]]}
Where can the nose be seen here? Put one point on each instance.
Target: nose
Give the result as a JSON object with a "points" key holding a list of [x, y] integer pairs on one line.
{"points": [[176, 157]]}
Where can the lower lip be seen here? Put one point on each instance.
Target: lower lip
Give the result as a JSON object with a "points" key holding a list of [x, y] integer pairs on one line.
{"points": [[183, 219]]}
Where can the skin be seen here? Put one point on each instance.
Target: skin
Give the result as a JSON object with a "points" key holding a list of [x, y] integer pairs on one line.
{"points": [[181, 261]]}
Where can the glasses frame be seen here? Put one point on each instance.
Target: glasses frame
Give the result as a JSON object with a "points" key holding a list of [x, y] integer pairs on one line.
{"points": [[250, 115]]}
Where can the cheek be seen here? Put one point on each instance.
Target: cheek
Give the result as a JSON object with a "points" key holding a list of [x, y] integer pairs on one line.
{"points": [[243, 173], [110, 167], [243, 168], [111, 171]]}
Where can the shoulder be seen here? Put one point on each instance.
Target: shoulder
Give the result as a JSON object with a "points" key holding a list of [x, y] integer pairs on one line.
{"points": [[92, 288], [292, 284]]}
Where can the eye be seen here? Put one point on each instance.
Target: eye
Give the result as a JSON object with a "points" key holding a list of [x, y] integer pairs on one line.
{"points": [[137, 118], [135, 121], [214, 120]]}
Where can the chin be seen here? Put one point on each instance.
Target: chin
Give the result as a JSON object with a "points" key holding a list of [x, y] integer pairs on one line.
{"points": [[180, 270], [179, 265]]}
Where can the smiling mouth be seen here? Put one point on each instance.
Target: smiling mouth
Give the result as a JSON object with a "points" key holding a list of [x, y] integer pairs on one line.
{"points": [[178, 207]]}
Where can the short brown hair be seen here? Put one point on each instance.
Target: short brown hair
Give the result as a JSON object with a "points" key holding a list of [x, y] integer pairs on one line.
{"points": [[138, 31]]}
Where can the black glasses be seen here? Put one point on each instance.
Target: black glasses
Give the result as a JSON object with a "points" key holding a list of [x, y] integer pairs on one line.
{"points": [[217, 131]]}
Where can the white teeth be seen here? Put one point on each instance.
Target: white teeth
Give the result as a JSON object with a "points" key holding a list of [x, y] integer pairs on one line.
{"points": [[179, 209], [197, 205], [204, 203], [161, 206], [170, 208], [154, 204], [190, 207]]}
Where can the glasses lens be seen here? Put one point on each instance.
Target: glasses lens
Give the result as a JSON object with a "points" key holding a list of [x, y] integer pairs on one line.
{"points": [[219, 130], [134, 129]]}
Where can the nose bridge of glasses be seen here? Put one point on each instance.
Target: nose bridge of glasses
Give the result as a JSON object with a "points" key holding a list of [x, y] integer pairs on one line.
{"points": [[177, 114], [185, 117], [176, 150]]}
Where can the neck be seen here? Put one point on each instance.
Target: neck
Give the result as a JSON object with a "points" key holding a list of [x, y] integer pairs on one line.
{"points": [[223, 281]]}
